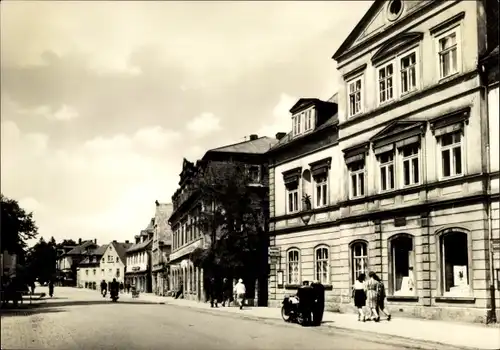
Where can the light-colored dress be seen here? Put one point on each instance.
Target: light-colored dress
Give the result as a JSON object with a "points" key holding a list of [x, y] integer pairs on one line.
{"points": [[371, 293]]}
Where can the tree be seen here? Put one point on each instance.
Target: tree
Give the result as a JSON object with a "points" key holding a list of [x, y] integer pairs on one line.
{"points": [[235, 219], [41, 260], [17, 227]]}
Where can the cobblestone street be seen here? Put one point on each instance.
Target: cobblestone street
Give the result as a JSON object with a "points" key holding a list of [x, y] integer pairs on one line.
{"points": [[81, 319]]}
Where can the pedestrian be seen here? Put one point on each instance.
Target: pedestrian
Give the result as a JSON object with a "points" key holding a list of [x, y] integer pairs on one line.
{"points": [[104, 288], [381, 298], [319, 302], [213, 292], [51, 288], [227, 292], [372, 296], [121, 287], [32, 285], [240, 291], [128, 287], [359, 295]]}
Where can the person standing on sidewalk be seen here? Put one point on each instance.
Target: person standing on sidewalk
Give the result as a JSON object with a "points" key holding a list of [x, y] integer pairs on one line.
{"points": [[240, 291], [227, 292], [372, 296], [359, 296], [381, 298], [104, 288], [51, 288], [213, 292]]}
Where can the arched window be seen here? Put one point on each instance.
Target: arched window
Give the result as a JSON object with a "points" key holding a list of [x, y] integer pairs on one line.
{"points": [[402, 260], [359, 259], [454, 251], [293, 266], [321, 264]]}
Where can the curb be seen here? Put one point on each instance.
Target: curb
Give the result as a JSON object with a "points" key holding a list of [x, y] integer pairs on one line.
{"points": [[368, 334]]}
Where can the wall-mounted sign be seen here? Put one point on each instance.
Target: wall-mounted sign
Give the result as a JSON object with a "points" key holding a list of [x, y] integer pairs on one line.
{"points": [[495, 244], [136, 268], [399, 221], [279, 279], [274, 252]]}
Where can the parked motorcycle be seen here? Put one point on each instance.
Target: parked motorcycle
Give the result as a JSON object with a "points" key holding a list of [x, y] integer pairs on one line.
{"points": [[291, 311]]}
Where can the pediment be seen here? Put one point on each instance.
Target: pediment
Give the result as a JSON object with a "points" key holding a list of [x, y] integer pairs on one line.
{"points": [[397, 44], [377, 19], [303, 103], [396, 128]]}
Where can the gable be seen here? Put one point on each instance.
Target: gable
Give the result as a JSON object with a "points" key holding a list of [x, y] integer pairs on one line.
{"points": [[301, 104], [379, 17]]}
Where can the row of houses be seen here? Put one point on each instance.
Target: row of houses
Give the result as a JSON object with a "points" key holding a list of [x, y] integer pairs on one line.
{"points": [[141, 263], [397, 173]]}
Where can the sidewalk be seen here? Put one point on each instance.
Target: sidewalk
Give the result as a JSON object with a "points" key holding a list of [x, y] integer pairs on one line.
{"points": [[448, 333]]}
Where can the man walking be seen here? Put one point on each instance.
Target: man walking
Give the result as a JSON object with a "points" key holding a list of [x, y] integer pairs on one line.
{"points": [[240, 291], [104, 288]]}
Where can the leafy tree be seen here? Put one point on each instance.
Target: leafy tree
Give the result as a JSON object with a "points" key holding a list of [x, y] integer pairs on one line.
{"points": [[66, 242], [17, 227], [41, 260], [234, 215]]}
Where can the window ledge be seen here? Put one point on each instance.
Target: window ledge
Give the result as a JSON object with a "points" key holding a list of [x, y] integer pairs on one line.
{"points": [[456, 300], [292, 286], [402, 298]]}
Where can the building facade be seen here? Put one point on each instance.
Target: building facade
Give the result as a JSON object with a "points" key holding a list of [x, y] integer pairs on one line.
{"points": [[88, 275], [412, 194], [161, 248], [138, 263], [188, 236], [69, 259], [113, 262]]}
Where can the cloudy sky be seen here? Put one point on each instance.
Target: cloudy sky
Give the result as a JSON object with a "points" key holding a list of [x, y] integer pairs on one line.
{"points": [[101, 101]]}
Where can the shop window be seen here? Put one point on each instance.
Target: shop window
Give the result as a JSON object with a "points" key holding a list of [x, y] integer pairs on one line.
{"points": [[455, 264], [402, 265], [359, 259]]}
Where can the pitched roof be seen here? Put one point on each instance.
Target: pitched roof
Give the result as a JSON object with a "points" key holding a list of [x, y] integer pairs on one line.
{"points": [[139, 246], [79, 249], [121, 249], [101, 250], [258, 146]]}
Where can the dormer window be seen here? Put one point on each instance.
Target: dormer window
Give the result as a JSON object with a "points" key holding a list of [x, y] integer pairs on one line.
{"points": [[296, 125], [308, 124]]}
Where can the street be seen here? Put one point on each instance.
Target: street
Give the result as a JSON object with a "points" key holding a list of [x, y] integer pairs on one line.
{"points": [[84, 320]]}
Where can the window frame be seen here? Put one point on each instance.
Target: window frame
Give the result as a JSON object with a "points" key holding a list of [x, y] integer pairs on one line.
{"points": [[450, 148], [399, 58], [357, 173], [324, 192], [291, 191], [387, 165], [384, 66], [325, 281], [366, 266], [392, 241], [298, 262], [442, 34], [403, 159], [351, 81], [308, 120]]}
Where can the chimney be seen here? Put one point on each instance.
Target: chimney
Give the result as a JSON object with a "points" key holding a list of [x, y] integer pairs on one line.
{"points": [[79, 241], [137, 239], [126, 241], [114, 240], [280, 135], [95, 240], [157, 203], [254, 137]]}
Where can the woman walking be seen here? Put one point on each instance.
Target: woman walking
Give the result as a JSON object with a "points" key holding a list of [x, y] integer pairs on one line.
{"points": [[372, 296], [381, 298], [359, 296]]}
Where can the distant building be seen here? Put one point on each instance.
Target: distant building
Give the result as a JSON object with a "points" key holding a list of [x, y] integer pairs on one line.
{"points": [[70, 257], [161, 248], [87, 274], [138, 266], [113, 262], [187, 236]]}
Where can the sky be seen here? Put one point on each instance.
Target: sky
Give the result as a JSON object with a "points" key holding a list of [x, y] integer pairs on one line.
{"points": [[101, 101]]}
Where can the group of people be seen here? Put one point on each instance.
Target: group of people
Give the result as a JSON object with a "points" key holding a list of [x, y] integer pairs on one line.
{"points": [[112, 286], [12, 289], [371, 294], [227, 294]]}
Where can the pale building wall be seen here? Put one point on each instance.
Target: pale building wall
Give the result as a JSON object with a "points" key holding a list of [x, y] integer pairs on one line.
{"points": [[111, 266]]}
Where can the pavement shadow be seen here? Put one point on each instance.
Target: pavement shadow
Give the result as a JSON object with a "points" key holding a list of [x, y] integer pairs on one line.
{"points": [[27, 311], [52, 304]]}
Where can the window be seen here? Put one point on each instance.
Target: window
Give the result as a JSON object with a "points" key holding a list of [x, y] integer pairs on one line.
{"points": [[402, 262], [308, 120], [448, 52], [408, 66], [110, 259], [386, 171], [109, 271], [385, 83], [293, 266], [102, 272], [357, 174], [117, 259], [296, 125], [94, 272], [86, 272], [293, 200], [254, 173], [321, 265], [411, 172], [321, 190], [359, 256], [454, 263], [117, 272], [355, 97], [451, 154]]}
